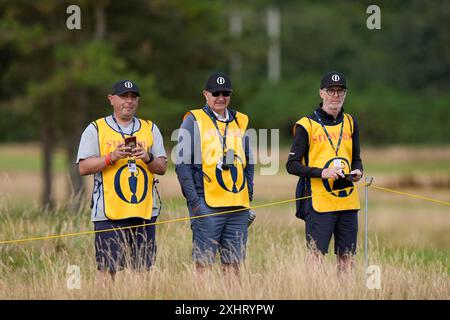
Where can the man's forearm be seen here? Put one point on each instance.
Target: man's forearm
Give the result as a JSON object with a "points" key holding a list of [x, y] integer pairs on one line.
{"points": [[91, 165], [158, 166], [97, 164], [295, 167]]}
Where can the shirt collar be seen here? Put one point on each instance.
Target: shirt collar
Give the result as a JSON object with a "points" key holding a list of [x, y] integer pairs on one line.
{"points": [[219, 117], [125, 128]]}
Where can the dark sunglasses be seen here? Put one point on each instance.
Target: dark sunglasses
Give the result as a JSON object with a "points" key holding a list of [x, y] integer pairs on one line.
{"points": [[223, 93]]}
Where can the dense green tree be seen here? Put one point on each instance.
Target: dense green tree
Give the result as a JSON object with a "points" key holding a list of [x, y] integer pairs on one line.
{"points": [[54, 81]]}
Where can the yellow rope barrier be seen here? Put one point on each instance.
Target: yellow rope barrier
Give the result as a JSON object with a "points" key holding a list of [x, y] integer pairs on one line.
{"points": [[206, 215], [412, 195], [145, 224]]}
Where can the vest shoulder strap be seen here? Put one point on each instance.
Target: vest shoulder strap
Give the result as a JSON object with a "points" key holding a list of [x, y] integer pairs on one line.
{"points": [[241, 120], [187, 114], [95, 124], [197, 113], [149, 123], [305, 122], [350, 121], [99, 123]]}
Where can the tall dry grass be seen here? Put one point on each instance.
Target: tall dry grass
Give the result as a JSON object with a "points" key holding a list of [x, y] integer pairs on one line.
{"points": [[275, 267]]}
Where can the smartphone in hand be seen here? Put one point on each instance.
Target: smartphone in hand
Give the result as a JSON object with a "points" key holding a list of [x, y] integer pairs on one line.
{"points": [[350, 176], [130, 143]]}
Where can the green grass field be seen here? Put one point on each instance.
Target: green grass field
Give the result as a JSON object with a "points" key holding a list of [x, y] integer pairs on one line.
{"points": [[408, 240], [27, 158], [376, 160]]}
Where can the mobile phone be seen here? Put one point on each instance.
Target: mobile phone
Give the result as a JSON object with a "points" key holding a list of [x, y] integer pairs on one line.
{"points": [[350, 176], [130, 142]]}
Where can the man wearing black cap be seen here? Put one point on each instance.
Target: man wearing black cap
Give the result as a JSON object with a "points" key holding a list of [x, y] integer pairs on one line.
{"points": [[215, 171], [325, 154], [123, 152]]}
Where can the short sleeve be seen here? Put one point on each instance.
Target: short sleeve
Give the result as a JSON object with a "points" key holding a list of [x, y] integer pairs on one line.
{"points": [[88, 147], [157, 148]]}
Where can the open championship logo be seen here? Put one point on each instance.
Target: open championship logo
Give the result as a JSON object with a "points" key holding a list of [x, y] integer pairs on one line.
{"points": [[132, 184], [234, 172], [341, 193], [220, 80], [128, 84]]}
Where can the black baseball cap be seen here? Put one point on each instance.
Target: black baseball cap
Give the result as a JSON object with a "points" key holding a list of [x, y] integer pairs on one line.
{"points": [[218, 81], [124, 86], [333, 78]]}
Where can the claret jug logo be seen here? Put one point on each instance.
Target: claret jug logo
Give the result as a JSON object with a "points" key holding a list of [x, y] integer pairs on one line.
{"points": [[236, 171], [131, 187], [336, 186]]}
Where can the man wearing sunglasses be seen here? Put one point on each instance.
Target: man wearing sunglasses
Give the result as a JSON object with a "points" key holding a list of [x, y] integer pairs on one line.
{"points": [[215, 171], [325, 154]]}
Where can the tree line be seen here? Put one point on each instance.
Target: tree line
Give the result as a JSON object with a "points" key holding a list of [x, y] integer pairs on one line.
{"points": [[54, 81]]}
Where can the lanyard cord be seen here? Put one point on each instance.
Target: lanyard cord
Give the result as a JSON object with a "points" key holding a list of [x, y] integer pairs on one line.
{"points": [[336, 150], [120, 129], [224, 137]]}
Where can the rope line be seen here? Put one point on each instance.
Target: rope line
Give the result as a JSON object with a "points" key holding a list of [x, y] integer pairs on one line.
{"points": [[210, 214], [412, 195]]}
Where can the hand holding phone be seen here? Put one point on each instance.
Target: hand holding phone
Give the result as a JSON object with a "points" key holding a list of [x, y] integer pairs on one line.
{"points": [[130, 143]]}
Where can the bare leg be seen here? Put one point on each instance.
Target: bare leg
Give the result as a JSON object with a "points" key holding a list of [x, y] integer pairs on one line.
{"points": [[201, 268], [104, 278], [314, 260], [231, 269], [345, 263]]}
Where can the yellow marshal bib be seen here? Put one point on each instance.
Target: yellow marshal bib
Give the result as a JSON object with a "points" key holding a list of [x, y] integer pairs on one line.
{"points": [[223, 188], [321, 155], [126, 194]]}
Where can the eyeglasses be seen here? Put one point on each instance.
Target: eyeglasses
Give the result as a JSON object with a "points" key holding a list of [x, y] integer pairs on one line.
{"points": [[340, 92], [223, 93]]}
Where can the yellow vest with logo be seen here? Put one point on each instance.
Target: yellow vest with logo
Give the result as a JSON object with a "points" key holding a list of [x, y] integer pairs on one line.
{"points": [[223, 188], [126, 195], [321, 155]]}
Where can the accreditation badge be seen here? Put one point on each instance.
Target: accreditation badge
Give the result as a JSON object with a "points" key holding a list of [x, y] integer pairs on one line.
{"points": [[132, 166], [219, 165], [338, 163]]}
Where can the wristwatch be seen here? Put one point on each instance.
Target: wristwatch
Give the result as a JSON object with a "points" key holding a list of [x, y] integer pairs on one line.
{"points": [[151, 158]]}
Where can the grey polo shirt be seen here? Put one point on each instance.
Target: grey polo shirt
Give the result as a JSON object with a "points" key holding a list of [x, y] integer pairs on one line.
{"points": [[89, 148]]}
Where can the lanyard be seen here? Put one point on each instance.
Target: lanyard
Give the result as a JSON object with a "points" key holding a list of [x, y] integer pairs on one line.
{"points": [[336, 150], [224, 137], [120, 129]]}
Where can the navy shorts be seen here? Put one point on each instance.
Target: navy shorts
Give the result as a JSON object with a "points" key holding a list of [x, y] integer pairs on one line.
{"points": [[226, 233], [320, 227], [133, 248]]}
